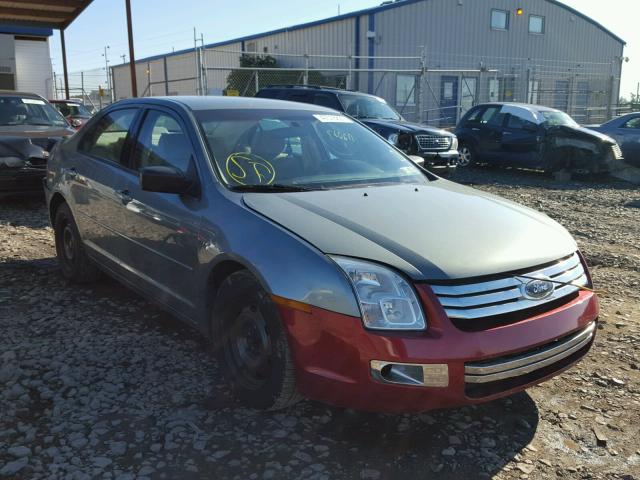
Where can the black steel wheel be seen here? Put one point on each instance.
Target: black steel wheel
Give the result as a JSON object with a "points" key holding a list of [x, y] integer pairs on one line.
{"points": [[76, 266], [253, 350]]}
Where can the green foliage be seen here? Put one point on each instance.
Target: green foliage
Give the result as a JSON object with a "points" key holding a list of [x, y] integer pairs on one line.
{"points": [[244, 81]]}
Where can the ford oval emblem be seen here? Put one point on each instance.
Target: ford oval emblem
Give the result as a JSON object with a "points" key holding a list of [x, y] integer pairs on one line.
{"points": [[538, 289]]}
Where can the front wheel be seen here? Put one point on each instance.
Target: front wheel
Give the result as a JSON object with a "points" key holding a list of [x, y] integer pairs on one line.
{"points": [[253, 349], [467, 156]]}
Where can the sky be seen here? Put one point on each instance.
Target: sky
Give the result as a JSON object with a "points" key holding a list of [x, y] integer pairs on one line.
{"points": [[159, 28]]}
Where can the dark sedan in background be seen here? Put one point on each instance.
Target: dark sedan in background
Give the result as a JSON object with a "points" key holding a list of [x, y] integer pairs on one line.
{"points": [[626, 131], [535, 137], [29, 129]]}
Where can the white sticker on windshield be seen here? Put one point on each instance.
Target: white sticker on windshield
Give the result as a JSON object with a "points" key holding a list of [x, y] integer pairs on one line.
{"points": [[33, 101], [333, 119]]}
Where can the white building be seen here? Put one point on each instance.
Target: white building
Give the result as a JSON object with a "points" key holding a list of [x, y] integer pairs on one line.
{"points": [[25, 60]]}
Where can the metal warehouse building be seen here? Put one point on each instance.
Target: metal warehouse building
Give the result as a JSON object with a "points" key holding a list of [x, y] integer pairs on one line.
{"points": [[431, 59]]}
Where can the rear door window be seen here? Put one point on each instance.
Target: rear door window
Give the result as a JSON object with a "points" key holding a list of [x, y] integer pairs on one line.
{"points": [[492, 117], [107, 138]]}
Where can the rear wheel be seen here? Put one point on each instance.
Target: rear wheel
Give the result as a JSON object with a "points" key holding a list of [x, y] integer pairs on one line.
{"points": [[253, 349], [467, 155], [74, 262]]}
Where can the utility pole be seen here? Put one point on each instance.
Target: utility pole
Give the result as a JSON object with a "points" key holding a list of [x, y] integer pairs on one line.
{"points": [[124, 58], [106, 67]]}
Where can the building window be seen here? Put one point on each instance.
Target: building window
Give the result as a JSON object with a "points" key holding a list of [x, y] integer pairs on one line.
{"points": [[499, 19], [536, 24], [251, 47], [406, 90]]}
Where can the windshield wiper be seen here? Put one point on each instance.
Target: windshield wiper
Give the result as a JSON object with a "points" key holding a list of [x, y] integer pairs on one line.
{"points": [[273, 187]]}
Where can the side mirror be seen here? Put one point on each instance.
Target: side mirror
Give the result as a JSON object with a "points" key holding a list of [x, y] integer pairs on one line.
{"points": [[164, 180]]}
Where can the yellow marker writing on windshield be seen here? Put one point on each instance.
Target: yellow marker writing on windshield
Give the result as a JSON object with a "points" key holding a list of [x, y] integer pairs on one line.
{"points": [[241, 166]]}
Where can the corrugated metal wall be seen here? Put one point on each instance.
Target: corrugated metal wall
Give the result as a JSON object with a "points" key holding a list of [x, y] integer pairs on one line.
{"points": [[573, 54]]}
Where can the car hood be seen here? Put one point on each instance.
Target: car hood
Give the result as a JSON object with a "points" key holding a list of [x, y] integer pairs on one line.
{"points": [[35, 131], [439, 231], [583, 132], [406, 127]]}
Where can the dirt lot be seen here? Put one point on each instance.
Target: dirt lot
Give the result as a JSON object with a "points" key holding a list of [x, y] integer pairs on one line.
{"points": [[97, 382]]}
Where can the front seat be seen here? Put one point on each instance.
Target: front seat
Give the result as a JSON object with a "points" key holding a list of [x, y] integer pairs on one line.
{"points": [[174, 150]]}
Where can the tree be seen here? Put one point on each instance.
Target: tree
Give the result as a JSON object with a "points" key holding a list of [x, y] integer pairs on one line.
{"points": [[244, 80]]}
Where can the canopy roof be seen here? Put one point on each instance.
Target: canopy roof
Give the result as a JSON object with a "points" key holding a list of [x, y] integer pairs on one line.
{"points": [[57, 14]]}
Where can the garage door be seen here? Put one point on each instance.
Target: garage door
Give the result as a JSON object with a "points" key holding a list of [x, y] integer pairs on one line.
{"points": [[33, 67]]}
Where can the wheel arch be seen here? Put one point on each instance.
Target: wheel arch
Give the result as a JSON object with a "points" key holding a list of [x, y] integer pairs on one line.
{"points": [[56, 200], [218, 273]]}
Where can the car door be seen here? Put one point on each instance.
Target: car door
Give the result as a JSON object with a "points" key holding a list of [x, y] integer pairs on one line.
{"points": [[96, 173], [519, 144], [163, 228], [488, 131]]}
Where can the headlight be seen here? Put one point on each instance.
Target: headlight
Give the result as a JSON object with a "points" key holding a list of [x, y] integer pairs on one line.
{"points": [[11, 162], [387, 301], [454, 143], [393, 139]]}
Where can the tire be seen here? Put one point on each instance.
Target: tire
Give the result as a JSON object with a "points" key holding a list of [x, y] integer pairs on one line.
{"points": [[75, 264], [468, 155], [252, 344]]}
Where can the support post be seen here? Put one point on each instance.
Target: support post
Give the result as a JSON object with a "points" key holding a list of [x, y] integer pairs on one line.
{"points": [[166, 77], [64, 65], [305, 78], [132, 58]]}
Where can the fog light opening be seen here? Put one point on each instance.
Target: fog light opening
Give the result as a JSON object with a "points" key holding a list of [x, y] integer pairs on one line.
{"points": [[431, 375]]}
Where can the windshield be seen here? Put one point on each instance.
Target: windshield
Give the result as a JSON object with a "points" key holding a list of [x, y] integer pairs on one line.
{"points": [[303, 149], [365, 107], [72, 109], [29, 111], [555, 119]]}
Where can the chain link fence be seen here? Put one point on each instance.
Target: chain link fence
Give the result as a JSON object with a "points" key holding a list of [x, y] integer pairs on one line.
{"points": [[91, 87], [431, 87]]}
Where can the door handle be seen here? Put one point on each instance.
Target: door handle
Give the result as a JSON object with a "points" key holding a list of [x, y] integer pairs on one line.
{"points": [[124, 196], [507, 133], [475, 129]]}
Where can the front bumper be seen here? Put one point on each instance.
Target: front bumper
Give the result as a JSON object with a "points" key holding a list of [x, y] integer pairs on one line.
{"points": [[333, 354], [448, 159], [21, 181]]}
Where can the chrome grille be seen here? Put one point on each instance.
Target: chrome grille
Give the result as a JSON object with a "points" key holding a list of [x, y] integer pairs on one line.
{"points": [[528, 362], [617, 152], [433, 142], [497, 297]]}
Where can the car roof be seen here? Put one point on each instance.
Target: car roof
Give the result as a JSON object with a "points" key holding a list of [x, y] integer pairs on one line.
{"points": [[316, 88], [218, 103], [526, 106], [13, 93]]}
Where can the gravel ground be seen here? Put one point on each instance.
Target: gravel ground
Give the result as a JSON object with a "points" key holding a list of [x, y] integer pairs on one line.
{"points": [[95, 382]]}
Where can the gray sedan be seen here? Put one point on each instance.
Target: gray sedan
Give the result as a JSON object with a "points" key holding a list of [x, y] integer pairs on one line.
{"points": [[626, 131], [317, 258]]}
